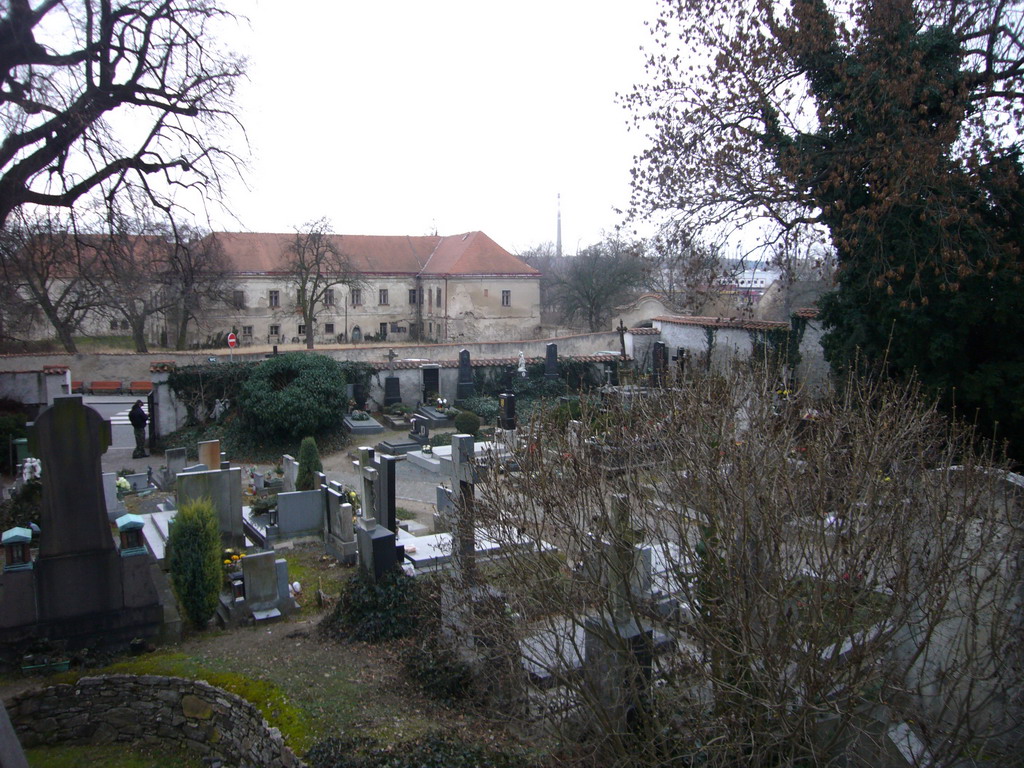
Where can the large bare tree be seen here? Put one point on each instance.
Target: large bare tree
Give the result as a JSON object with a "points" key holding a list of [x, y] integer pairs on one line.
{"points": [[97, 93], [316, 265], [195, 275], [893, 131], [45, 263]]}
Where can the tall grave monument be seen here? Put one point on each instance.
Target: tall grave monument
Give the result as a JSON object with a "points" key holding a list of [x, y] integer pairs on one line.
{"points": [[85, 591]]}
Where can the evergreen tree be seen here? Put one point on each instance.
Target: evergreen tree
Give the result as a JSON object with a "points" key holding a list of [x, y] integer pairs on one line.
{"points": [[194, 543], [309, 465]]}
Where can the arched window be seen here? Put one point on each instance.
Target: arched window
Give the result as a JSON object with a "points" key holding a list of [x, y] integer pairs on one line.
{"points": [[439, 296]]}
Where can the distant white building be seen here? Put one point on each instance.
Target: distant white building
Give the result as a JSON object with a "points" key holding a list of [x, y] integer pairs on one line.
{"points": [[750, 283]]}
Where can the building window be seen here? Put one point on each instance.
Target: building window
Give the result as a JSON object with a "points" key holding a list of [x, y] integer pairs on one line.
{"points": [[412, 295], [302, 330], [382, 296], [275, 330], [506, 298], [275, 298], [113, 325], [329, 329], [246, 331], [238, 299], [329, 297], [486, 293], [383, 331], [124, 325], [439, 297], [357, 298]]}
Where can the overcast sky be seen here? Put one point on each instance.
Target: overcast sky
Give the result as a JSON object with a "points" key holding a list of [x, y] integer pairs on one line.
{"points": [[405, 117]]}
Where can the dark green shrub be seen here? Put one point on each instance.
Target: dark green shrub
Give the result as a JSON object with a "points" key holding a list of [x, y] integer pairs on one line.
{"points": [[194, 542], [438, 670], [12, 427], [484, 407], [467, 423], [24, 508], [398, 409], [371, 611], [200, 387], [434, 750], [294, 395], [309, 465]]}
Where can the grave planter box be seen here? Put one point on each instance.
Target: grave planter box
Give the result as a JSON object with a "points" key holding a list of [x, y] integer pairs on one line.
{"points": [[365, 427], [397, 423], [434, 417]]}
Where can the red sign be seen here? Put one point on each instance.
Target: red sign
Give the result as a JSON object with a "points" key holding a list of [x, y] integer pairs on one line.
{"points": [[232, 340]]}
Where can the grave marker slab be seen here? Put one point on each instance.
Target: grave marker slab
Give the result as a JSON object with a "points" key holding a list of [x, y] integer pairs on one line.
{"points": [[209, 453]]}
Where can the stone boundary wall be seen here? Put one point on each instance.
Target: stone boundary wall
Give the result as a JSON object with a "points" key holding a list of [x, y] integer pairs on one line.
{"points": [[128, 366], [150, 709]]}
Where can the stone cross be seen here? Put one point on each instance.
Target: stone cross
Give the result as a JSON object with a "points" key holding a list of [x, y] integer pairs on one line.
{"points": [[622, 337], [659, 364], [369, 475], [623, 558], [465, 474]]}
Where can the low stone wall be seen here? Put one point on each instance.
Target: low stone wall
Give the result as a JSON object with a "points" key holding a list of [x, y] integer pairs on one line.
{"points": [[150, 708]]}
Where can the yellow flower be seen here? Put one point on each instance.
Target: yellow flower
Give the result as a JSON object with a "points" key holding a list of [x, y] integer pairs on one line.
{"points": [[227, 562]]}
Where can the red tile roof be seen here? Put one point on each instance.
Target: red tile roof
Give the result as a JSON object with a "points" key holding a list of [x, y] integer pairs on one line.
{"points": [[472, 253], [806, 312], [738, 323]]}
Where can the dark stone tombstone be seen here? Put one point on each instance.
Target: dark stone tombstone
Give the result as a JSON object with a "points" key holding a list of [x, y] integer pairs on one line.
{"points": [[420, 430], [392, 385], [377, 551], [392, 391], [359, 394], [551, 361], [386, 511], [464, 387], [659, 364], [507, 410], [84, 588], [431, 383], [682, 358]]}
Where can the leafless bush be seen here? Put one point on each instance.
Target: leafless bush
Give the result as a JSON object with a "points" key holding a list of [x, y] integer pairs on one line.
{"points": [[831, 582]]}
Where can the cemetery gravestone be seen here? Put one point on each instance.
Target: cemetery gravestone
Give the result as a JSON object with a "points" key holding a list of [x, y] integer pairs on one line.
{"points": [[224, 488], [392, 384], [377, 552], [291, 473], [551, 361], [431, 383], [79, 579], [618, 650], [209, 453], [464, 386], [176, 459]]}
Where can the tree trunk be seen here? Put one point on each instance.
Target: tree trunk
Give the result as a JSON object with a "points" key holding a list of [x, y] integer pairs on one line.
{"points": [[65, 337], [308, 318], [181, 332], [139, 336]]}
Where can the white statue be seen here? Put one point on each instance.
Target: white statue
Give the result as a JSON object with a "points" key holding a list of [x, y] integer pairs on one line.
{"points": [[522, 364]]}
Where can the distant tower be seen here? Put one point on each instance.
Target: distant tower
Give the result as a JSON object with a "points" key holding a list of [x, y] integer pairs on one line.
{"points": [[558, 236]]}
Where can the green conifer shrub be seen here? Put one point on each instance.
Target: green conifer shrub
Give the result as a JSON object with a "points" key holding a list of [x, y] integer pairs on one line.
{"points": [[309, 465], [194, 543]]}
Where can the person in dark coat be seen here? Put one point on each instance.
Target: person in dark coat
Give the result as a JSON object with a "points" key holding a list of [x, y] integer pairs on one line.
{"points": [[138, 418]]}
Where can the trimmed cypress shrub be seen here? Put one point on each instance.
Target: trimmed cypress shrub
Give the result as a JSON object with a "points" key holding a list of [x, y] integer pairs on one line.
{"points": [[467, 423], [194, 541], [309, 465]]}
